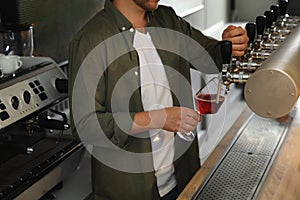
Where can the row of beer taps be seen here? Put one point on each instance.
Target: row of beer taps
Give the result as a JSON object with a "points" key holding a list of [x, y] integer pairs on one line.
{"points": [[265, 36]]}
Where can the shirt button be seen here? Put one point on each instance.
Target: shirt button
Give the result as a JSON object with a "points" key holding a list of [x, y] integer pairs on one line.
{"points": [[131, 30], [123, 28]]}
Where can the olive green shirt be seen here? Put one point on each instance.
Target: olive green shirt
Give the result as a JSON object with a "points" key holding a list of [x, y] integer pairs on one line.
{"points": [[103, 51]]}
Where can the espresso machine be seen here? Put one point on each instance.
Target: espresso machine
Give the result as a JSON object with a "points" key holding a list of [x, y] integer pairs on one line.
{"points": [[270, 68], [37, 150]]}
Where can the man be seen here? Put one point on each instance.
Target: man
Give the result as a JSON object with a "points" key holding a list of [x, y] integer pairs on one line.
{"points": [[141, 99]]}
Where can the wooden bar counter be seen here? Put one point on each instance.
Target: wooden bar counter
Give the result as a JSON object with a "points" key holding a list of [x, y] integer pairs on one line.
{"points": [[283, 179]]}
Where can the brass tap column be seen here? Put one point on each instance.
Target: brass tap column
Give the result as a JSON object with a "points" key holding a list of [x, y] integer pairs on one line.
{"points": [[273, 89]]}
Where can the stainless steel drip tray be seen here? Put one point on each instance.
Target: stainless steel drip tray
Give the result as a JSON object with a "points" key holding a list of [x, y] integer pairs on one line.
{"points": [[23, 170], [238, 177], [242, 170]]}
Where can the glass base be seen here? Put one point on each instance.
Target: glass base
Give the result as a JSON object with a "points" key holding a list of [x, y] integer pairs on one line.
{"points": [[190, 136]]}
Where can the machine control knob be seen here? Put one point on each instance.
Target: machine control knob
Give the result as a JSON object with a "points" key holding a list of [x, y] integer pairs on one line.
{"points": [[61, 85], [26, 96], [15, 102]]}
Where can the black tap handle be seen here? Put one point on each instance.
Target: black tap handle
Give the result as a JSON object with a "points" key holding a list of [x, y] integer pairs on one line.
{"points": [[283, 7], [53, 124], [275, 9], [251, 31], [45, 122], [63, 115], [226, 49], [260, 24], [269, 18]]}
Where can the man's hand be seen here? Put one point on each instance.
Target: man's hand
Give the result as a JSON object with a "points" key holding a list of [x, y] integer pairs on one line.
{"points": [[174, 119], [238, 37], [181, 119]]}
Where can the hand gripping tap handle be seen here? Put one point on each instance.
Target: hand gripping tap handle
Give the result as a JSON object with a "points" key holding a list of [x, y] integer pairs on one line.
{"points": [[251, 31], [260, 24]]}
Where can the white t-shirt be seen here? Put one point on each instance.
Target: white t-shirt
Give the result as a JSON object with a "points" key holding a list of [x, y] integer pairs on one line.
{"points": [[156, 94]]}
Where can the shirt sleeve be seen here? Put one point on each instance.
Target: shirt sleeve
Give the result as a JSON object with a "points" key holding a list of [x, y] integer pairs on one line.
{"points": [[92, 120], [211, 46]]}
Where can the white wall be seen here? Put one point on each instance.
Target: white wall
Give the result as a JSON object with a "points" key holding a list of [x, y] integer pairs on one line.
{"points": [[183, 8], [216, 12], [202, 14]]}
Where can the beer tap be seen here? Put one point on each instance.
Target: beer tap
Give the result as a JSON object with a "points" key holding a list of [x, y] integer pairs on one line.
{"points": [[247, 62], [226, 49], [268, 42], [277, 34], [283, 8], [259, 51], [251, 33], [286, 20], [265, 36], [260, 28], [229, 73], [269, 14], [276, 10]]}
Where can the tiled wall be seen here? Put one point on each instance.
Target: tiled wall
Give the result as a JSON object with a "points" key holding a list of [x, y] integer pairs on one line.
{"points": [[55, 22]]}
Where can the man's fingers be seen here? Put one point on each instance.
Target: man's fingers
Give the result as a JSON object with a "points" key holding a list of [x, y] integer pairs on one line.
{"points": [[233, 32], [238, 53], [195, 115], [238, 40], [238, 37]]}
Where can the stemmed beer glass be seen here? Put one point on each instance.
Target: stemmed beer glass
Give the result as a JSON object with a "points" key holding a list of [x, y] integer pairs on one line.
{"points": [[208, 100]]}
